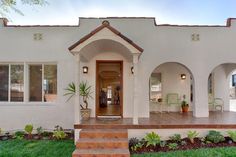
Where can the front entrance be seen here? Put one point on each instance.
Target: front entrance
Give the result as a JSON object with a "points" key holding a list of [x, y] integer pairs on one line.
{"points": [[109, 88]]}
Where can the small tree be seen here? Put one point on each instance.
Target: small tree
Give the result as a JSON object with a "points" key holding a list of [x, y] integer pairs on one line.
{"points": [[29, 129], [6, 6]]}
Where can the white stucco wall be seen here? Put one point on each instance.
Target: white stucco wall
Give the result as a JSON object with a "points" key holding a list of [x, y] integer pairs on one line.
{"points": [[160, 43]]}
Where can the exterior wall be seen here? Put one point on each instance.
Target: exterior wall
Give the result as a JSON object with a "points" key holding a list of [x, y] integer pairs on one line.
{"points": [[161, 44]]}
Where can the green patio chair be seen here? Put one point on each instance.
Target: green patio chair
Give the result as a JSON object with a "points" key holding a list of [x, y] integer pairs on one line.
{"points": [[217, 103], [172, 99]]}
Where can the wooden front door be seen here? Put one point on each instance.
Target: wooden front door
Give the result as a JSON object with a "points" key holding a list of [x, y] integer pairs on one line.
{"points": [[109, 88]]}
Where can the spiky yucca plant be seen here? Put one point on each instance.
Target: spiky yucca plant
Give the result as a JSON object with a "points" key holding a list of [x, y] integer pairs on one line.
{"points": [[84, 91]]}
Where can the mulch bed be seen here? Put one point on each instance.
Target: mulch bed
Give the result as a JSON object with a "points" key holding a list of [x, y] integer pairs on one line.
{"points": [[47, 136], [187, 146]]}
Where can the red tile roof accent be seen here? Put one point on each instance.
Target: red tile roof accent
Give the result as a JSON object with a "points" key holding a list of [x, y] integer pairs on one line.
{"points": [[105, 24], [228, 23]]}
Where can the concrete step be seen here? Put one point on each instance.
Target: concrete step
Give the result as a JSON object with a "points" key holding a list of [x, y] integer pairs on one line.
{"points": [[101, 153], [103, 133], [102, 143]]}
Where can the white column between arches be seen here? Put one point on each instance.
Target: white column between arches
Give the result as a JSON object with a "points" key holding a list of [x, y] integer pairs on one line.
{"points": [[77, 81], [135, 90]]}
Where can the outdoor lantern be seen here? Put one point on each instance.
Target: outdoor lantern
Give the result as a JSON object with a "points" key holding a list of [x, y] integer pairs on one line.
{"points": [[183, 76], [85, 69], [132, 70]]}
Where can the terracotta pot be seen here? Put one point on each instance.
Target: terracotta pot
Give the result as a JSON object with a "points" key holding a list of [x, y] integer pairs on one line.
{"points": [[85, 114], [185, 109]]}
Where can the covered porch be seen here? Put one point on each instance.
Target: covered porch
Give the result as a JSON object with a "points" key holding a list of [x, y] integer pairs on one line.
{"points": [[173, 120]]}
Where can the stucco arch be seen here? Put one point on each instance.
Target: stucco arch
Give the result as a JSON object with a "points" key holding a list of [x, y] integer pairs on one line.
{"points": [[219, 82], [187, 85], [97, 46]]}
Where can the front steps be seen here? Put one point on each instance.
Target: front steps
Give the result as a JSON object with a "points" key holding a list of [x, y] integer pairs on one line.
{"points": [[102, 143]]}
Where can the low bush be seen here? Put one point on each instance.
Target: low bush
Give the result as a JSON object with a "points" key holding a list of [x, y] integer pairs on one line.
{"points": [[29, 129], [39, 130], [133, 141], [137, 146], [232, 135], [191, 135], [19, 135], [215, 136], [175, 138], [59, 135], [152, 139], [172, 146]]}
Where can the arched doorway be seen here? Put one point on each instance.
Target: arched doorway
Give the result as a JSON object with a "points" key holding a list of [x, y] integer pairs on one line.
{"points": [[170, 78], [221, 88]]}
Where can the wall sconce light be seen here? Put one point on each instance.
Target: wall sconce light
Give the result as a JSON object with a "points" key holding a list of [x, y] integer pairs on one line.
{"points": [[132, 69], [85, 69], [183, 76]]}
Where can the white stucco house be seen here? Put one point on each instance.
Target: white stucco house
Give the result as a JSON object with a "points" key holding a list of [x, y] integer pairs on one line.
{"points": [[130, 63]]}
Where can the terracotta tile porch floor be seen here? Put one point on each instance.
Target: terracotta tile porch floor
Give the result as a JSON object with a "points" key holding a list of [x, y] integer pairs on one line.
{"points": [[165, 121]]}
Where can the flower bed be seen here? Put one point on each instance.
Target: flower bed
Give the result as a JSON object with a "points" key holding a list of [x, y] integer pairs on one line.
{"points": [[153, 143], [38, 134]]}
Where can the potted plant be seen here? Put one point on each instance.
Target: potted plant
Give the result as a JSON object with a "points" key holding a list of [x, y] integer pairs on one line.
{"points": [[85, 92], [184, 105]]}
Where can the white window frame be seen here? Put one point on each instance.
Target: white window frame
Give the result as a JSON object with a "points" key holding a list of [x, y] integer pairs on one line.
{"points": [[26, 84]]}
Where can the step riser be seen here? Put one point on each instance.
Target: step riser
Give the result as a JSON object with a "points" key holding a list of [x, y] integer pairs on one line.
{"points": [[101, 155], [103, 135], [101, 145]]}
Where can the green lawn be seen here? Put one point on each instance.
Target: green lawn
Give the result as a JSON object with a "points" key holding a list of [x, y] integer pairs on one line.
{"points": [[64, 148], [208, 152], [42, 148]]}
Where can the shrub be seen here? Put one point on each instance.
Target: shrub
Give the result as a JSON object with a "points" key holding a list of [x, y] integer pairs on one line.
{"points": [[215, 136], [163, 144], [232, 135], [58, 128], [137, 146], [133, 141], [152, 139], [19, 135], [175, 138], [39, 130], [191, 135], [46, 133], [29, 129], [173, 146], [59, 135]]}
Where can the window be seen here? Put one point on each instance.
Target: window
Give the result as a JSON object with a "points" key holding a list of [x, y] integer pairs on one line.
{"points": [[155, 87], [17, 83], [4, 84], [50, 83], [43, 82], [11, 76], [234, 80], [35, 82]]}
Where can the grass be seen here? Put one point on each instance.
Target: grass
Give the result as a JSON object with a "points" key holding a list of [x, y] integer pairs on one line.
{"points": [[41, 148], [204, 152]]}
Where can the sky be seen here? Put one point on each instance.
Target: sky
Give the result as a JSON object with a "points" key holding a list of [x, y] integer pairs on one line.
{"points": [[67, 12]]}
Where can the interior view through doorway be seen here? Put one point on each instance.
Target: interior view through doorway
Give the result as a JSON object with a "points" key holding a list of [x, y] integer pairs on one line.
{"points": [[109, 91]]}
